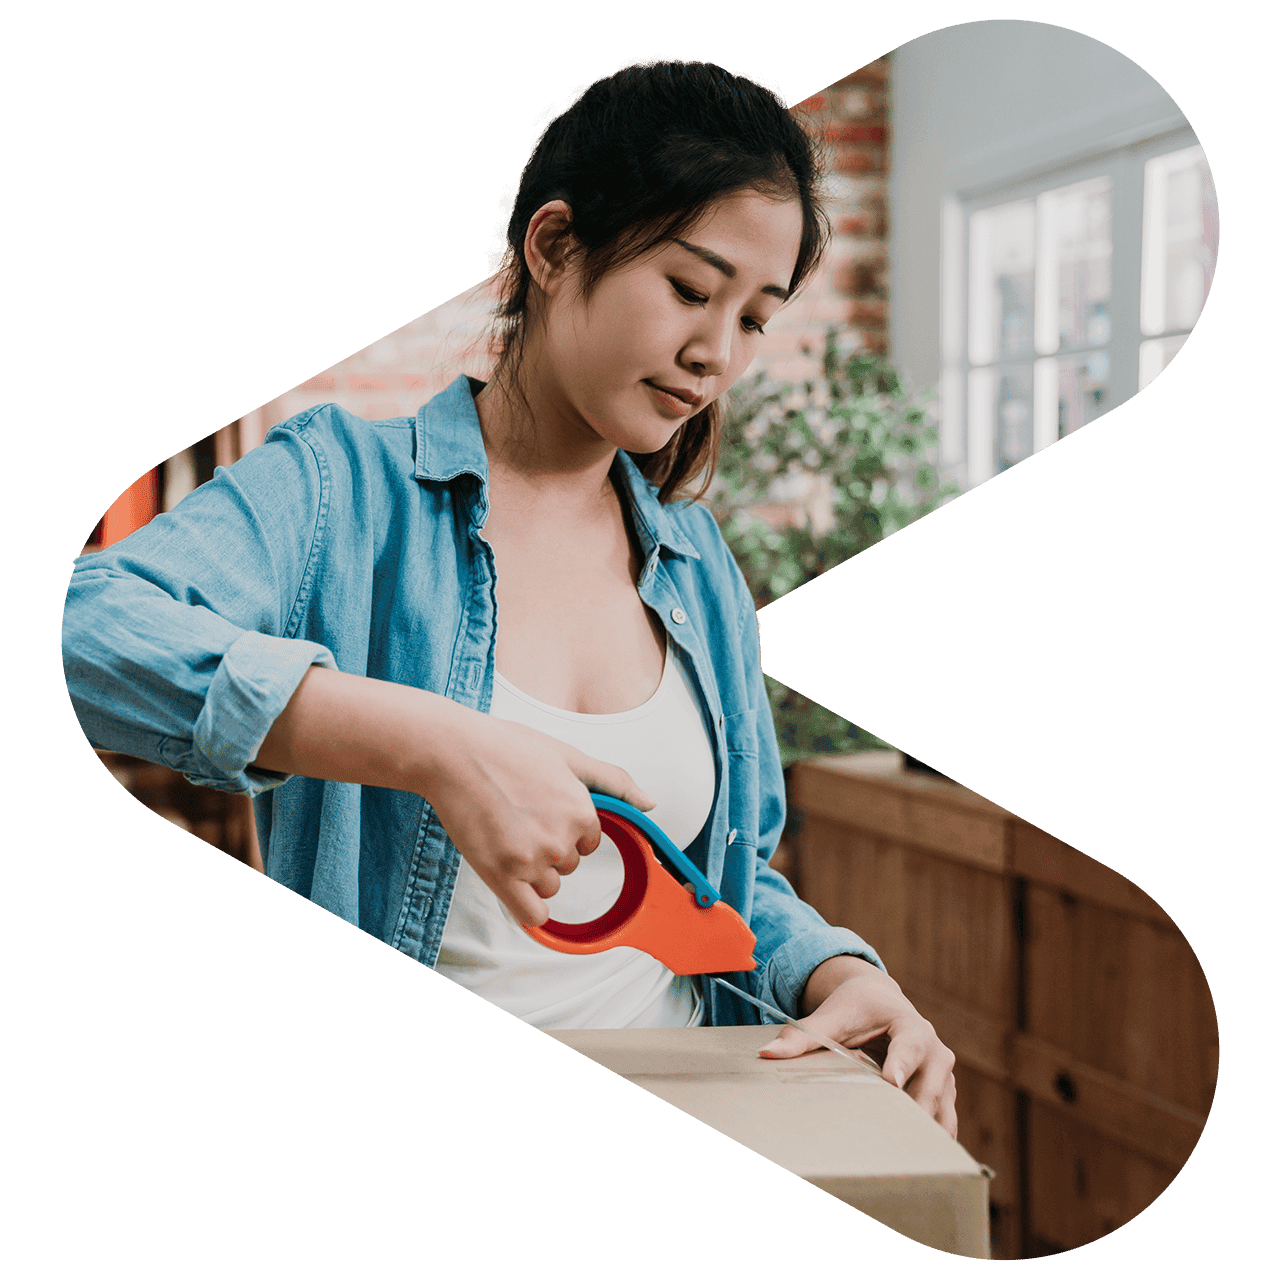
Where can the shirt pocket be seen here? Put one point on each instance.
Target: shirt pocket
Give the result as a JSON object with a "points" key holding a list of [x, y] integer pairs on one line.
{"points": [[744, 778]]}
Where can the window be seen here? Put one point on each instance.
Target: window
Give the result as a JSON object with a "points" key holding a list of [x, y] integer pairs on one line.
{"points": [[1179, 247], [1066, 292]]}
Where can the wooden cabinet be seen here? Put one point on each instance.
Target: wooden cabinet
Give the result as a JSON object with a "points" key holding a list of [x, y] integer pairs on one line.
{"points": [[1082, 1024]]}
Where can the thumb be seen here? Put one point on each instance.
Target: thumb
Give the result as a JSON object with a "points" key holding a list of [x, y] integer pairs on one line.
{"points": [[609, 780], [790, 1042]]}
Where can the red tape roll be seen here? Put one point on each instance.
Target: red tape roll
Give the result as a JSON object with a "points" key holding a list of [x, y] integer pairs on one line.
{"points": [[656, 914]]}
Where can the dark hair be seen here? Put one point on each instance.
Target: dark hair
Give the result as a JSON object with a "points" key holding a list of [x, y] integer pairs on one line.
{"points": [[638, 159]]}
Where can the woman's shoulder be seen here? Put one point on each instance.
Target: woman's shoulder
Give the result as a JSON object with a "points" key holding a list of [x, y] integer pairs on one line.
{"points": [[333, 425]]}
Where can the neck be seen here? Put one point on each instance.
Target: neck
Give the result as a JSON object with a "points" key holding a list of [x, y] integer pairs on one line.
{"points": [[534, 439]]}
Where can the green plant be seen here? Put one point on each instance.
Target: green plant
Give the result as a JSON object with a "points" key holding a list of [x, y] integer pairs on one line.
{"points": [[855, 445]]}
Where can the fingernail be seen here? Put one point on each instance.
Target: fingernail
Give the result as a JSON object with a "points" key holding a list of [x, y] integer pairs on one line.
{"points": [[771, 1045], [897, 1076]]}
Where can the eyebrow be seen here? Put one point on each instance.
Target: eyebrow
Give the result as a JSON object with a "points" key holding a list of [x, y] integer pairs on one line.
{"points": [[727, 268]]}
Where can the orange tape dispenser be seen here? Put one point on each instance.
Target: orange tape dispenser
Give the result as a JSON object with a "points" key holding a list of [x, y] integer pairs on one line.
{"points": [[690, 932]]}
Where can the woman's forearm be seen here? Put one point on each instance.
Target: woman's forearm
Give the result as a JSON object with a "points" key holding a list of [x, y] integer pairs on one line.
{"points": [[513, 800], [348, 728]]}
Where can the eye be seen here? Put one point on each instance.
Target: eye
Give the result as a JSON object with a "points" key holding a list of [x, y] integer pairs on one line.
{"points": [[691, 296], [752, 326]]}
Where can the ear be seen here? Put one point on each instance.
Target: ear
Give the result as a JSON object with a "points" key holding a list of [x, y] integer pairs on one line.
{"points": [[545, 244]]}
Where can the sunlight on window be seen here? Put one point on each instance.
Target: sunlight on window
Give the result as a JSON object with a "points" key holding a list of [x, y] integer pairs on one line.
{"points": [[1073, 277], [1046, 323], [1179, 240], [1002, 281]]}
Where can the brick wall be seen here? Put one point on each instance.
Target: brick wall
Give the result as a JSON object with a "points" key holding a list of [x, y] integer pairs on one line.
{"points": [[397, 373], [849, 290]]}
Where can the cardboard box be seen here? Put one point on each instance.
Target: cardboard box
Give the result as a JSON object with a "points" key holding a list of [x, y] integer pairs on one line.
{"points": [[835, 1123]]}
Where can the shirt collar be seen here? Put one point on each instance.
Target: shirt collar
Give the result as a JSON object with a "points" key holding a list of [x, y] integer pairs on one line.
{"points": [[448, 444]]}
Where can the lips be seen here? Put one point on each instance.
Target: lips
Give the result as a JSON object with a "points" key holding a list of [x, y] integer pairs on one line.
{"points": [[690, 399]]}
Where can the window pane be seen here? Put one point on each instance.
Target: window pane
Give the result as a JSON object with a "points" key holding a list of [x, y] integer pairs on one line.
{"points": [[1074, 300], [1179, 240], [1154, 357], [1084, 390], [1012, 416], [1001, 281]]}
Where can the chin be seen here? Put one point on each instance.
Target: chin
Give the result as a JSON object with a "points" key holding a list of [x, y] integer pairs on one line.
{"points": [[648, 442], [638, 437]]}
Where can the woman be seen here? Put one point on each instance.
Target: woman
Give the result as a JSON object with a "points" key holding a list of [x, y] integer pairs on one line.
{"points": [[325, 612]]}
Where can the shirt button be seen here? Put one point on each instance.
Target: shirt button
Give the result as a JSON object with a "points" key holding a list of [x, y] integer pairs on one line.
{"points": [[678, 615], [733, 835]]}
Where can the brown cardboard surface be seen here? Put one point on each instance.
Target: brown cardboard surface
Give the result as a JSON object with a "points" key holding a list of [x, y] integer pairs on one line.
{"points": [[835, 1123]]}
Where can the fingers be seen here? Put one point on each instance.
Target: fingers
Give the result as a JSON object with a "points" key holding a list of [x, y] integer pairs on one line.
{"points": [[790, 1042], [545, 882], [564, 861], [589, 842], [946, 1116], [524, 903], [919, 1062], [934, 1087], [905, 1057], [609, 780]]}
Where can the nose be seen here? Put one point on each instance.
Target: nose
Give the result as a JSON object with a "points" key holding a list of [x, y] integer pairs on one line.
{"points": [[709, 351]]}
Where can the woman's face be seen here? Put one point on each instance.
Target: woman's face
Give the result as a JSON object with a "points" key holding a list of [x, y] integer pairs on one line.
{"points": [[661, 337]]}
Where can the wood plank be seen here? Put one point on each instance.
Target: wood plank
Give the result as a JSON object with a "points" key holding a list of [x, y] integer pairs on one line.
{"points": [[823, 793], [1080, 1185], [885, 768], [914, 816], [1047, 861], [987, 1112], [855, 879], [1124, 995], [960, 935], [976, 838], [1118, 1110]]}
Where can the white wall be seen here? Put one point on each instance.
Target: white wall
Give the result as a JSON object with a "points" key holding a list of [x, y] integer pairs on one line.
{"points": [[979, 103]]}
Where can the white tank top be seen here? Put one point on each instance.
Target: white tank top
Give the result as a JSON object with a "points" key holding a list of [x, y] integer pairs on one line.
{"points": [[663, 745]]}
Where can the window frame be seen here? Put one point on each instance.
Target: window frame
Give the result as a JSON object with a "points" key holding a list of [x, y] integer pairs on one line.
{"points": [[1120, 159]]}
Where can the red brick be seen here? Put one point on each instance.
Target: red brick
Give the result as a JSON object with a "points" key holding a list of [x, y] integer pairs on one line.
{"points": [[380, 410], [811, 105], [844, 132], [861, 103], [321, 382], [859, 161], [364, 382], [855, 224]]}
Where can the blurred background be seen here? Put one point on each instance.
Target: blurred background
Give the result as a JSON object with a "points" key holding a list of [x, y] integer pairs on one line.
{"points": [[1025, 234]]}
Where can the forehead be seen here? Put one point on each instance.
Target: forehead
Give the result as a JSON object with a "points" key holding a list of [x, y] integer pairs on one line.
{"points": [[757, 235]]}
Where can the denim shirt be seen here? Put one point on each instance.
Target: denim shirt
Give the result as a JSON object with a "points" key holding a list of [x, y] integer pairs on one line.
{"points": [[357, 545]]}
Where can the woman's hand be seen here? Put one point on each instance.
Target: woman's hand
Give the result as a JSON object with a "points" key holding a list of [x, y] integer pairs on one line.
{"points": [[512, 799], [515, 803], [848, 1000]]}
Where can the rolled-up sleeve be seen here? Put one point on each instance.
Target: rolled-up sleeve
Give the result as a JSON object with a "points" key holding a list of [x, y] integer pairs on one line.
{"points": [[179, 643]]}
